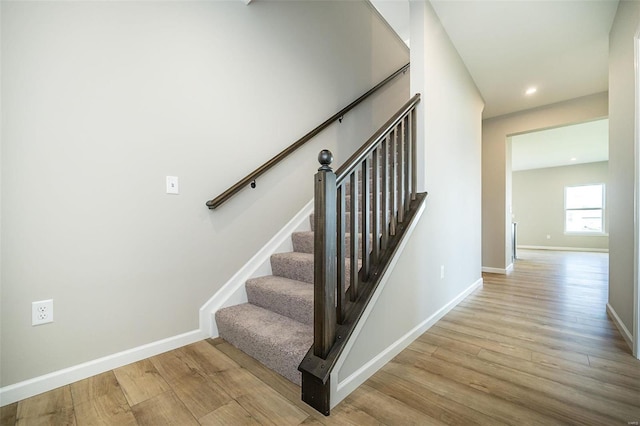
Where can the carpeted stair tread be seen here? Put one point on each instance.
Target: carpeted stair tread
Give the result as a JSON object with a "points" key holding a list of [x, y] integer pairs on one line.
{"points": [[276, 341], [293, 299], [293, 265]]}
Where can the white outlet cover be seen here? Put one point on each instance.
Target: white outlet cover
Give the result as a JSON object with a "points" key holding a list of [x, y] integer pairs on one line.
{"points": [[42, 312]]}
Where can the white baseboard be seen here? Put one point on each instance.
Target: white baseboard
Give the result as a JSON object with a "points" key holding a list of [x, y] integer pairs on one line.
{"points": [[595, 250], [502, 271], [342, 389], [37, 385], [628, 337], [233, 291]]}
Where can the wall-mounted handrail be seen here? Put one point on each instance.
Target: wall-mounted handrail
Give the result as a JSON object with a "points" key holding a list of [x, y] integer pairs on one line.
{"points": [[251, 177]]}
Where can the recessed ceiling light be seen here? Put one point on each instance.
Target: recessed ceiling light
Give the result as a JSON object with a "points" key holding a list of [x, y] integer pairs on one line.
{"points": [[531, 91], [573, 158]]}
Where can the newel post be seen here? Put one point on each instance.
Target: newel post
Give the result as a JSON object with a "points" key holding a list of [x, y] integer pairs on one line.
{"points": [[324, 314]]}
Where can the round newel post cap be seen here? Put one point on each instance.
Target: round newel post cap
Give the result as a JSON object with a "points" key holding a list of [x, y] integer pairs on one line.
{"points": [[325, 158]]}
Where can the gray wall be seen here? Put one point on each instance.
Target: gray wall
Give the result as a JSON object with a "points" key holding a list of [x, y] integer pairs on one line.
{"points": [[102, 100], [496, 166], [538, 204], [448, 232], [622, 157]]}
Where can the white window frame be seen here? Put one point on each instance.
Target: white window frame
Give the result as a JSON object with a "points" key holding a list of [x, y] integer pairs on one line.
{"points": [[586, 233]]}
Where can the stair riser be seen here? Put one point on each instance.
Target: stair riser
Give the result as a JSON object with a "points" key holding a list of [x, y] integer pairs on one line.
{"points": [[297, 306], [296, 270]]}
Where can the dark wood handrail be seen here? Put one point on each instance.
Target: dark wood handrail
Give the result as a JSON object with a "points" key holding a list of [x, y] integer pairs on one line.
{"points": [[364, 151], [251, 177]]}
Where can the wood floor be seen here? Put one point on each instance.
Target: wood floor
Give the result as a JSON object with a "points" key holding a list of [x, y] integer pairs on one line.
{"points": [[532, 347]]}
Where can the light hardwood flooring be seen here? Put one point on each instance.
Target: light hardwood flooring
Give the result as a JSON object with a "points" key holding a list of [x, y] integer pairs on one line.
{"points": [[532, 347]]}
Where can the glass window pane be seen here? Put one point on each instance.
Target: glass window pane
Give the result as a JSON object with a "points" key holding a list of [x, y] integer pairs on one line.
{"points": [[587, 196], [583, 221]]}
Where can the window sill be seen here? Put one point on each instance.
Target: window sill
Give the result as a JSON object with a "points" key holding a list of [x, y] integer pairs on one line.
{"points": [[587, 234]]}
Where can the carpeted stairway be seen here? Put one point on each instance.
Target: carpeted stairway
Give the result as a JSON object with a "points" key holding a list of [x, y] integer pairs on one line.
{"points": [[276, 325]]}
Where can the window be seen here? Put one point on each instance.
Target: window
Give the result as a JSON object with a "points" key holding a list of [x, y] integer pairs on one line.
{"points": [[584, 209]]}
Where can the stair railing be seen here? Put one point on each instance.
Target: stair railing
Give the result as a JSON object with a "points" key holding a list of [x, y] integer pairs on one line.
{"points": [[250, 179], [379, 181]]}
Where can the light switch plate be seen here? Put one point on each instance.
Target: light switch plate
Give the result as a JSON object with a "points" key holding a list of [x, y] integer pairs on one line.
{"points": [[172, 185]]}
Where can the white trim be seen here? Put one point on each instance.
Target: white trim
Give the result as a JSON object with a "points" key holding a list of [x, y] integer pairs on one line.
{"points": [[37, 385], [502, 271], [233, 291], [342, 389], [620, 325], [587, 249]]}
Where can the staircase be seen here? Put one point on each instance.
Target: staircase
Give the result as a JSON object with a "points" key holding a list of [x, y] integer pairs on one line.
{"points": [[298, 320], [276, 325]]}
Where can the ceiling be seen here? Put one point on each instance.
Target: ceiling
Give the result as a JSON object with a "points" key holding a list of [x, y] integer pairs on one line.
{"points": [[560, 47], [561, 146]]}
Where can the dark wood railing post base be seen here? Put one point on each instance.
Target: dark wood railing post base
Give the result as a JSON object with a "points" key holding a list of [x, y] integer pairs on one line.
{"points": [[316, 393]]}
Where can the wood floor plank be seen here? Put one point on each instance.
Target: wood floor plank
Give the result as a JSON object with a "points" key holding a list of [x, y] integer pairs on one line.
{"points": [[581, 383], [269, 377], [140, 381], [8, 414], [387, 409], [206, 358], [455, 341], [630, 369], [347, 414], [473, 395], [106, 409], [434, 405], [199, 394], [599, 374], [229, 414], [271, 409], [521, 341], [544, 396], [94, 387], [50, 408], [163, 409]]}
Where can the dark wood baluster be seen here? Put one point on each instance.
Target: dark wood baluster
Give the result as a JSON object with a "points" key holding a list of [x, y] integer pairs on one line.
{"points": [[414, 155], [384, 196], [353, 279], [324, 313], [392, 181], [407, 163], [341, 254], [366, 218], [375, 206], [400, 169]]}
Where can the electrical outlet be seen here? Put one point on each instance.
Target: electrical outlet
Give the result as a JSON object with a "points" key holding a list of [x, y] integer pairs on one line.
{"points": [[42, 312]]}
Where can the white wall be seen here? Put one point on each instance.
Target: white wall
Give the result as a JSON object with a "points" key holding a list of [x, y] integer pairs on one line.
{"points": [[538, 205], [102, 100], [496, 165], [620, 202], [448, 233]]}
